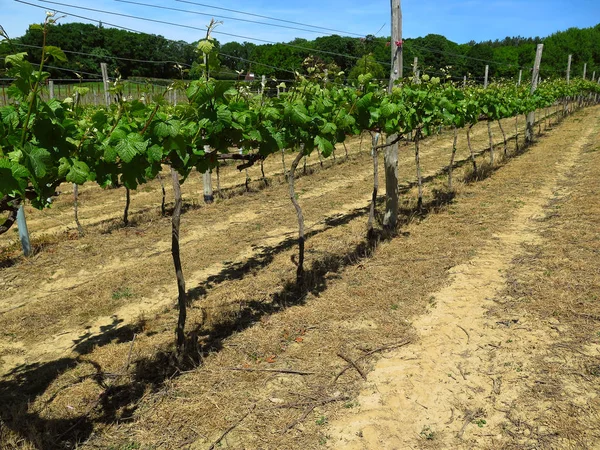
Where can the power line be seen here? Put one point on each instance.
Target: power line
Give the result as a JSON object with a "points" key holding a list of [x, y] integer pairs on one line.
{"points": [[410, 44], [71, 70], [256, 62], [219, 17], [109, 56], [267, 17], [310, 50], [140, 32]]}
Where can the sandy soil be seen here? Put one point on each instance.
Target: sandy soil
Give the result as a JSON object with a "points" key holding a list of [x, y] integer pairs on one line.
{"points": [[447, 387]]}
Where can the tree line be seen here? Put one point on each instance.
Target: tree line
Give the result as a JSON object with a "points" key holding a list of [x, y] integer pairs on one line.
{"points": [[352, 56]]}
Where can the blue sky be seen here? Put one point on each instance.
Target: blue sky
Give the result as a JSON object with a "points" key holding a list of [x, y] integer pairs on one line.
{"points": [[458, 20]]}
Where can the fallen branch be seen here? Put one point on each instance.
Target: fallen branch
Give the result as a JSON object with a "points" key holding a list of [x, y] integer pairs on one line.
{"points": [[304, 415], [311, 402], [309, 409], [228, 430], [290, 371], [468, 337], [468, 418], [372, 352], [353, 364]]}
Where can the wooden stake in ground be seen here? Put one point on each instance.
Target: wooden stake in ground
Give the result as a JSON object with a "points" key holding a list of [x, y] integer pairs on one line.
{"points": [[534, 82], [503, 136], [75, 209], [163, 210], [300, 216], [569, 69], [418, 165], [517, 132], [207, 182], [127, 203], [181, 297], [390, 159], [374, 141], [452, 156], [23, 231], [489, 127], [471, 149], [104, 71]]}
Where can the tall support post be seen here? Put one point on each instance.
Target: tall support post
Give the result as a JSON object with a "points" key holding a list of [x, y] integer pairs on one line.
{"points": [[51, 88], [390, 158], [416, 70], [584, 70], [594, 75], [104, 71], [520, 77], [207, 182], [485, 80], [23, 231], [489, 122], [464, 81], [569, 69], [534, 82], [263, 83]]}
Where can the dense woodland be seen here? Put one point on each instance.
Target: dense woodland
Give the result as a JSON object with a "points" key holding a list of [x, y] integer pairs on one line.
{"points": [[350, 55]]}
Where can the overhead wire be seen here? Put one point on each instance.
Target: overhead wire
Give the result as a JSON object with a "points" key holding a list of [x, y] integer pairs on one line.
{"points": [[169, 8], [269, 18], [164, 22], [111, 56], [409, 44]]}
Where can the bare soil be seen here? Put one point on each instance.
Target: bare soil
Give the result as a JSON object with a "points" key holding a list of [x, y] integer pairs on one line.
{"points": [[87, 323]]}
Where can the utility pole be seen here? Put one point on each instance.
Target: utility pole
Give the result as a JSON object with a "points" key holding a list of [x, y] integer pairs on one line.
{"points": [[390, 157], [415, 70], [485, 79], [569, 69], [105, 83], [534, 82]]}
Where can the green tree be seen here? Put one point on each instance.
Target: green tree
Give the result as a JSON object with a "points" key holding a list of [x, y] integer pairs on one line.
{"points": [[367, 64]]}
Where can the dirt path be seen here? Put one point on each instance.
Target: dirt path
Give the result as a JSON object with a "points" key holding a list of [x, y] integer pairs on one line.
{"points": [[447, 390]]}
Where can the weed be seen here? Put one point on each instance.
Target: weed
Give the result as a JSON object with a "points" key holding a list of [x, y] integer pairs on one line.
{"points": [[480, 422], [321, 420], [323, 439], [427, 433], [120, 293]]}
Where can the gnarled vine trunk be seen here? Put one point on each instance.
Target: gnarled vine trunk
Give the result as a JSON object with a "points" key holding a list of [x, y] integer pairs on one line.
{"points": [[163, 209], [370, 222], [418, 164], [491, 137], [181, 294], [471, 149], [452, 156], [127, 203], [300, 216], [503, 137], [76, 209]]}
